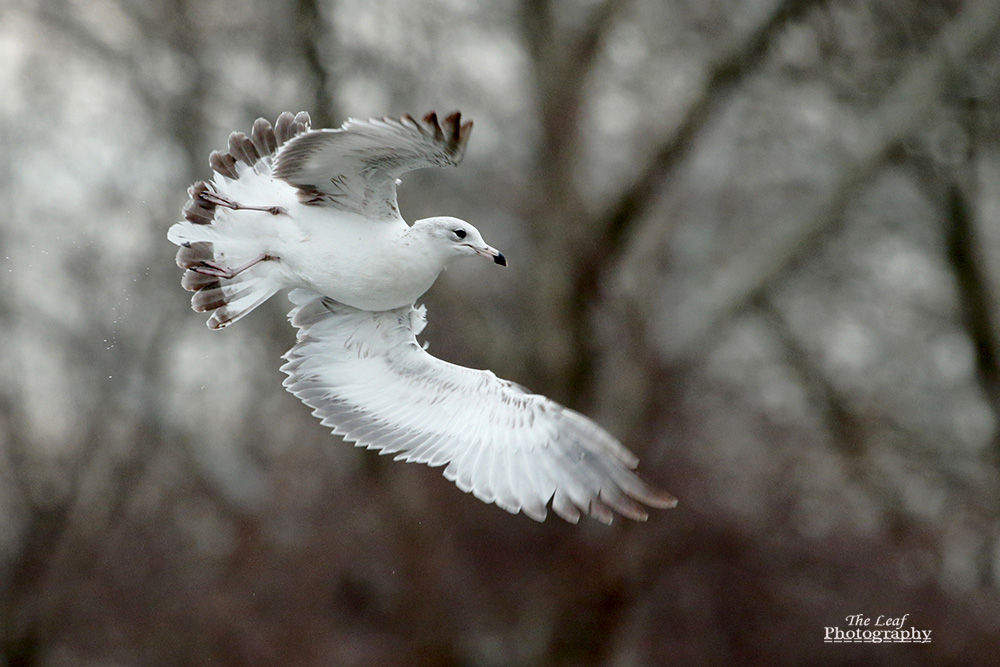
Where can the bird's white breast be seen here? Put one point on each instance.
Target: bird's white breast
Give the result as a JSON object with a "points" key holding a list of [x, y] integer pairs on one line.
{"points": [[364, 263]]}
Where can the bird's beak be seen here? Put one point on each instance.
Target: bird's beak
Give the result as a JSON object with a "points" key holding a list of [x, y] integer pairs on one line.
{"points": [[487, 251]]}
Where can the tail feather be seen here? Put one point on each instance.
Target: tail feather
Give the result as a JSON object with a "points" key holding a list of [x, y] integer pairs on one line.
{"points": [[289, 126], [223, 163], [227, 299], [193, 282], [214, 234], [263, 137], [208, 298], [239, 298], [242, 148], [198, 210], [191, 255]]}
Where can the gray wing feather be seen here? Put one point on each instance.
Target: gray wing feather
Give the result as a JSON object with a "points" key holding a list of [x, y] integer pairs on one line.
{"points": [[355, 167]]}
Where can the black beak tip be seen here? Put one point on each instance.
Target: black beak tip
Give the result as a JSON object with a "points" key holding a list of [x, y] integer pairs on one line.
{"points": [[500, 259]]}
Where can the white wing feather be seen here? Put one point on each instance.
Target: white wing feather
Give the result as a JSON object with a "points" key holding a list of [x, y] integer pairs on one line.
{"points": [[367, 378]]}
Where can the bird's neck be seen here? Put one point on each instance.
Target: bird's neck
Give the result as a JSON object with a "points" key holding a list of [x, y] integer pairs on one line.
{"points": [[419, 261]]}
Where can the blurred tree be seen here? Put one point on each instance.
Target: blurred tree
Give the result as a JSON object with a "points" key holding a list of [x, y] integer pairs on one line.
{"points": [[756, 240]]}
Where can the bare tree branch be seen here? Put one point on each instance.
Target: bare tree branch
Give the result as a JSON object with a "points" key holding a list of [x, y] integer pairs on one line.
{"points": [[842, 425], [561, 73], [729, 70], [561, 70], [588, 44], [906, 105], [311, 29], [956, 192], [65, 23], [852, 435], [976, 296]]}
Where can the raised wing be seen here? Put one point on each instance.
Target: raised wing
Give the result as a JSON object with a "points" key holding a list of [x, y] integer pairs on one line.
{"points": [[367, 378], [355, 167]]}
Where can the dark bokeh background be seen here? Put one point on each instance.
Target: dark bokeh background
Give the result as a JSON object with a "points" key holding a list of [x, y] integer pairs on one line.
{"points": [[757, 240]]}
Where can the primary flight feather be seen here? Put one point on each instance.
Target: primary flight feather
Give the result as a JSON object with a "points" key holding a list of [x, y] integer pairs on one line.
{"points": [[315, 211]]}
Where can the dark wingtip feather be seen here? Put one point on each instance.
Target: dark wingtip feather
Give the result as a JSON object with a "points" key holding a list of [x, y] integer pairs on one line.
{"points": [[451, 131], [453, 124], [431, 120], [460, 132]]}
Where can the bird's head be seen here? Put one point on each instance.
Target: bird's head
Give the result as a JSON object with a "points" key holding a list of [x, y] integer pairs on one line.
{"points": [[454, 238]]}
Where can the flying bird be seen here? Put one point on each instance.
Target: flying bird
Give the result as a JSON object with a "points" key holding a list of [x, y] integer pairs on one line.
{"points": [[315, 211]]}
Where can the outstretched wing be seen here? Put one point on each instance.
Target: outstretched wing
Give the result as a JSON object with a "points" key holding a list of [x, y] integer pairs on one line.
{"points": [[355, 167], [367, 378]]}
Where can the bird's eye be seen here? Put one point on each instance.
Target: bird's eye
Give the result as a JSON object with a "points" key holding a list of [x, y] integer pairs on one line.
{"points": [[460, 233]]}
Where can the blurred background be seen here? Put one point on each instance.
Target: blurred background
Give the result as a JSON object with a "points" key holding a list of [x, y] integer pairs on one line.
{"points": [[757, 240]]}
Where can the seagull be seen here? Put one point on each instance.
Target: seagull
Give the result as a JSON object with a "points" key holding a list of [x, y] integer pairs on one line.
{"points": [[315, 212]]}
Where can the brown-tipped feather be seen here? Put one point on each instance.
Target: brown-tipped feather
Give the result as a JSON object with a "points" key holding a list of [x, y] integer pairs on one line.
{"points": [[198, 188], [208, 299], [287, 126], [464, 132], [191, 255], [193, 281], [283, 127], [450, 125], [210, 292], [242, 148], [223, 163], [432, 120], [303, 122], [657, 498], [198, 210], [263, 137], [453, 126], [220, 319], [452, 132]]}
